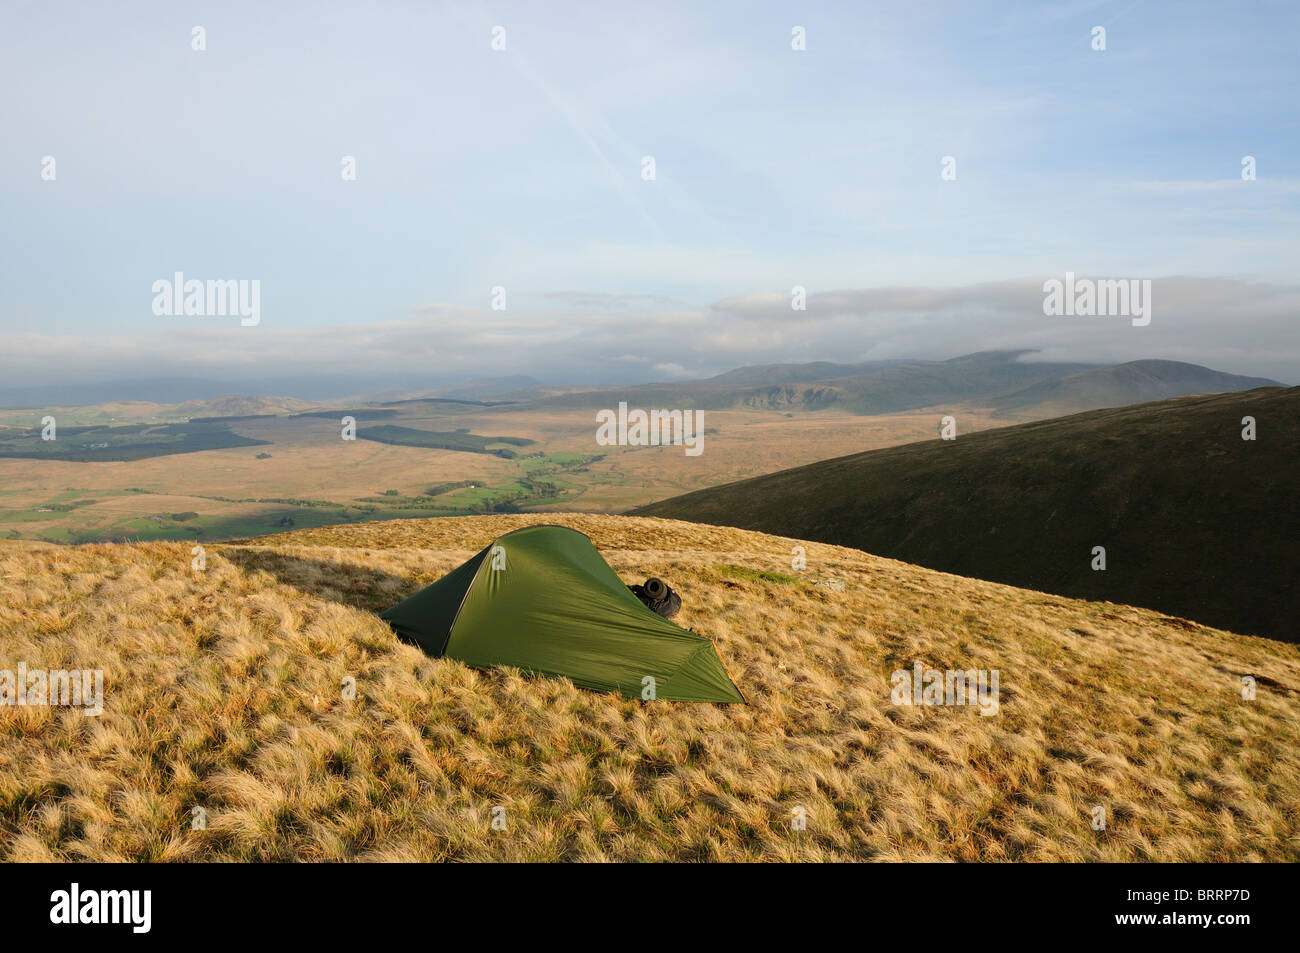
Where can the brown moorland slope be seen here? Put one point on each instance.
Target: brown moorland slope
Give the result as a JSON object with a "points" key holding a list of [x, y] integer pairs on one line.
{"points": [[1194, 520], [223, 692]]}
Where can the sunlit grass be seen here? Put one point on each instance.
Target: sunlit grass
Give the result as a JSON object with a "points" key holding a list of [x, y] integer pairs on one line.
{"points": [[224, 691]]}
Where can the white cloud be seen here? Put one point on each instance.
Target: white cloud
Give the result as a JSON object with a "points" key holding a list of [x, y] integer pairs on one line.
{"points": [[1238, 326]]}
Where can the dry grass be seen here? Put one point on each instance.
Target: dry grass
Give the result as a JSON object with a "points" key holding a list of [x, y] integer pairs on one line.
{"points": [[223, 691]]}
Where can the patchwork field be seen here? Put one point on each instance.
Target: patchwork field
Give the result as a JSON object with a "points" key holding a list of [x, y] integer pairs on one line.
{"points": [[297, 471], [223, 692]]}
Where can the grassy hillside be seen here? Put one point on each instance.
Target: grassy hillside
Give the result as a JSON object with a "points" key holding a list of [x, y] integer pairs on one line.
{"points": [[223, 692], [1194, 520]]}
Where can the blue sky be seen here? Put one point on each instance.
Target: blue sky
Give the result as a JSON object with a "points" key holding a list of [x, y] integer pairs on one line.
{"points": [[522, 168]]}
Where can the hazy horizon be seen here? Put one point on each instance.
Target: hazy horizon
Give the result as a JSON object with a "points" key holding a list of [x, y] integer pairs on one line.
{"points": [[414, 204], [174, 390]]}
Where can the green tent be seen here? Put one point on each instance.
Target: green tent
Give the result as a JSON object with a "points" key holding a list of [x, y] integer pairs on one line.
{"points": [[543, 600]]}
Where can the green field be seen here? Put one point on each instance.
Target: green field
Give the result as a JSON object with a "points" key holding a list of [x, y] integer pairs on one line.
{"points": [[254, 466], [435, 440], [129, 442]]}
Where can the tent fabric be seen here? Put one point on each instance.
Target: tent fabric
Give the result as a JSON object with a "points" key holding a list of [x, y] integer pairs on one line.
{"points": [[542, 599]]}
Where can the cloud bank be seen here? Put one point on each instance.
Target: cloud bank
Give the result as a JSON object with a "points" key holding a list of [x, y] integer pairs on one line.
{"points": [[1237, 326]]}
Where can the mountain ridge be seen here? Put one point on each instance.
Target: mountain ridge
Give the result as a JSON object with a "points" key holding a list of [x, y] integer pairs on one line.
{"points": [[999, 379], [1118, 385]]}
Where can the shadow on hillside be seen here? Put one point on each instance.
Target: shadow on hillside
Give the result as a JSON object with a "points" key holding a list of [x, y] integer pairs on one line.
{"points": [[358, 587]]}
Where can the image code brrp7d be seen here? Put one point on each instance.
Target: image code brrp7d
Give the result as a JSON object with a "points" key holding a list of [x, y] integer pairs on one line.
{"points": [[650, 433]]}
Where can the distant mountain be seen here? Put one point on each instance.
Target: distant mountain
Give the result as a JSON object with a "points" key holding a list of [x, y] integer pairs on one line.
{"points": [[324, 387], [1123, 384], [1003, 380], [489, 387], [1195, 520], [178, 390], [766, 375], [162, 390], [875, 388], [238, 405], [976, 377]]}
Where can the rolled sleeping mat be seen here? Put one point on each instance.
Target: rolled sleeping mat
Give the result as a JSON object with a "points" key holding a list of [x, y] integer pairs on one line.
{"points": [[657, 596]]}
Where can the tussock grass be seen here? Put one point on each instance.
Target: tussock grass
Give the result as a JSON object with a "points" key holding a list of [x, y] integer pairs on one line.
{"points": [[754, 575], [223, 692]]}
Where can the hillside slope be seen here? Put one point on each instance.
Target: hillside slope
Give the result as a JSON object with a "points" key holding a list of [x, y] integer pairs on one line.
{"points": [[223, 693], [1123, 384], [1194, 520]]}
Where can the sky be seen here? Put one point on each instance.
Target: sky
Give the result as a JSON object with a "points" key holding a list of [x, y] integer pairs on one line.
{"points": [[523, 169]]}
